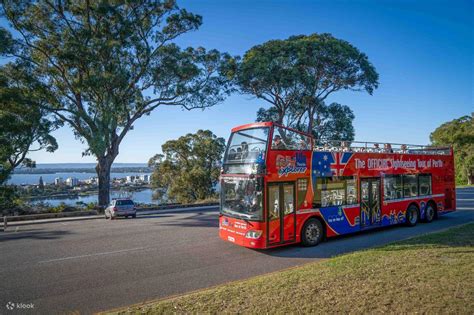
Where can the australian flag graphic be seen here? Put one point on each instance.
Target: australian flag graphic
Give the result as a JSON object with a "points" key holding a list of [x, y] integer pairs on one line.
{"points": [[328, 164]]}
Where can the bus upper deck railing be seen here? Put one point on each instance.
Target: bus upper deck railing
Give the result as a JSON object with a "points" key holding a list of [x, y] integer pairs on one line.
{"points": [[375, 147]]}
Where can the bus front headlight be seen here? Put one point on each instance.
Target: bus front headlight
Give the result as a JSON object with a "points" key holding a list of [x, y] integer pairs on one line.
{"points": [[253, 234]]}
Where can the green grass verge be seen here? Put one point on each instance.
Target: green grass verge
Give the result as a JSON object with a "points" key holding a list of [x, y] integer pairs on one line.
{"points": [[432, 273], [464, 186]]}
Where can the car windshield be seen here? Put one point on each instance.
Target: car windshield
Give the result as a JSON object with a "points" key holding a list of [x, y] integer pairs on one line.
{"points": [[124, 203], [240, 198], [245, 150]]}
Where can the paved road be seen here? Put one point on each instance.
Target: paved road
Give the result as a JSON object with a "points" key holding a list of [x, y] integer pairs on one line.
{"points": [[95, 265]]}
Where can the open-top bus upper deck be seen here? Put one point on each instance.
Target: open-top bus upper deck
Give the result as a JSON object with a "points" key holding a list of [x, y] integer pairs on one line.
{"points": [[352, 146]]}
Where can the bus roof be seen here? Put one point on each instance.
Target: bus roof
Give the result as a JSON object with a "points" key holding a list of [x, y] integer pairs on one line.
{"points": [[377, 147], [252, 125], [266, 124], [359, 146]]}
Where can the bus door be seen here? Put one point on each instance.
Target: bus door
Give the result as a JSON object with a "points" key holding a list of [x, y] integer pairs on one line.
{"points": [[281, 215], [370, 214]]}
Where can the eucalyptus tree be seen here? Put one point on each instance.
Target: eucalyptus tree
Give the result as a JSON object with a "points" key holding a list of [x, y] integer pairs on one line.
{"points": [[459, 133], [24, 126], [297, 75], [327, 65], [268, 72], [333, 122], [188, 170], [108, 63]]}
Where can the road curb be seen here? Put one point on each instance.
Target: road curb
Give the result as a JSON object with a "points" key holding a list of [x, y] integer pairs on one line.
{"points": [[79, 218], [53, 220]]}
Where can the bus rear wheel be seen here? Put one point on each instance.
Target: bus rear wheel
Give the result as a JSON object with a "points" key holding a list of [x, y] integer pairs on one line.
{"points": [[312, 233], [412, 215], [430, 213]]}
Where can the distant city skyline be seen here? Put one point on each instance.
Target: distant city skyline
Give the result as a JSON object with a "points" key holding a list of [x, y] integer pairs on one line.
{"points": [[423, 52]]}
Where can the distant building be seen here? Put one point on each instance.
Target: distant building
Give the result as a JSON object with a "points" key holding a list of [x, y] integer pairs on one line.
{"points": [[72, 181], [145, 178], [91, 181], [131, 179], [136, 179], [58, 181]]}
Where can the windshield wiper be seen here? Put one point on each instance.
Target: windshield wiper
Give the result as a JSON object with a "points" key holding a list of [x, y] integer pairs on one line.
{"points": [[239, 215]]}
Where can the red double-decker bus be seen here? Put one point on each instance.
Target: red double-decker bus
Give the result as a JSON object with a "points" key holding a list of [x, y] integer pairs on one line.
{"points": [[279, 187]]}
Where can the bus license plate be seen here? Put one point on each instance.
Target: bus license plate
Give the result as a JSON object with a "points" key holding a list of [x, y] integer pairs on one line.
{"points": [[230, 238]]}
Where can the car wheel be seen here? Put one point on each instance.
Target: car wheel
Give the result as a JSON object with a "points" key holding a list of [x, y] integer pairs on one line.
{"points": [[312, 232], [429, 213], [412, 215], [134, 216]]}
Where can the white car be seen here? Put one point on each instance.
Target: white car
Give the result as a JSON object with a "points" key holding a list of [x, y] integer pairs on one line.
{"points": [[120, 208]]}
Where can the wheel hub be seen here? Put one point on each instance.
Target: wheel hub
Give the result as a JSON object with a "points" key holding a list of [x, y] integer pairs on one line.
{"points": [[413, 216], [312, 233]]}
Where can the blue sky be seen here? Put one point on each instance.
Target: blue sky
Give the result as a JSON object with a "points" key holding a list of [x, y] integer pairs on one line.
{"points": [[422, 50]]}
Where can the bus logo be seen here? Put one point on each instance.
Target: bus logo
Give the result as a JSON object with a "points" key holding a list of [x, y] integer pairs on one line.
{"points": [[291, 165]]}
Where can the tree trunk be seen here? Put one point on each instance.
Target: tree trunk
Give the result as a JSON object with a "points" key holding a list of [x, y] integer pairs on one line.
{"points": [[310, 120], [103, 173], [281, 116]]}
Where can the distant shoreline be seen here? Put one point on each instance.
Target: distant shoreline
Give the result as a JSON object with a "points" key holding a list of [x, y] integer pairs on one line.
{"points": [[53, 168], [81, 170]]}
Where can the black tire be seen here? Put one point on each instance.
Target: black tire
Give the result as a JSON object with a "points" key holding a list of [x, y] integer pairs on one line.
{"points": [[430, 212], [312, 233], [134, 216], [412, 215]]}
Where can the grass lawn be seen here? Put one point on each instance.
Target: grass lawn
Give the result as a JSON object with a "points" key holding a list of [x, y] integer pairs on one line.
{"points": [[433, 273]]}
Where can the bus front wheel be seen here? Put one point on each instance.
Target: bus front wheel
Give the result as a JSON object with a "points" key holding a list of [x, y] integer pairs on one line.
{"points": [[412, 215], [312, 233]]}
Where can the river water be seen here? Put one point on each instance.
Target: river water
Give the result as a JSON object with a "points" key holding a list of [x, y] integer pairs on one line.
{"points": [[33, 179], [143, 196]]}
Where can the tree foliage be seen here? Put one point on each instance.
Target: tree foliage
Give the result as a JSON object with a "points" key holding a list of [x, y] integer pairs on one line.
{"points": [[188, 169], [295, 76], [108, 63], [24, 125], [458, 133], [268, 71], [334, 121]]}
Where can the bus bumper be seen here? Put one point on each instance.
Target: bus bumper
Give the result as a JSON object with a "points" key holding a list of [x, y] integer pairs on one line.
{"points": [[242, 233]]}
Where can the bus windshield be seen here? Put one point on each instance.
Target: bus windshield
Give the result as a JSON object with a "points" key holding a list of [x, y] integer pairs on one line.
{"points": [[241, 198], [246, 149]]}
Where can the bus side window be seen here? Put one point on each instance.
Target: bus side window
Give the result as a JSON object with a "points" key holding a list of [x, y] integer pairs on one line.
{"points": [[335, 191], [410, 186], [351, 191], [392, 187], [301, 190], [425, 184], [273, 202]]}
